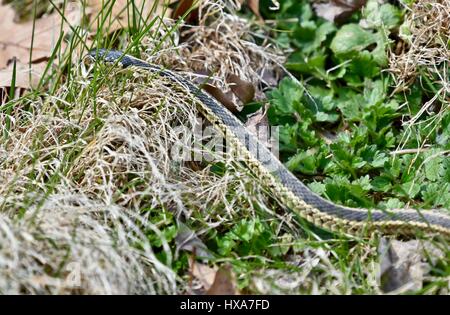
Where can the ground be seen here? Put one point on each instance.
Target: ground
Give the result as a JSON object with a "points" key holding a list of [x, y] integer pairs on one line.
{"points": [[93, 200]]}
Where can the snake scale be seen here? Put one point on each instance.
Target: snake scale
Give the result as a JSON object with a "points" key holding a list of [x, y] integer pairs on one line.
{"points": [[282, 183]]}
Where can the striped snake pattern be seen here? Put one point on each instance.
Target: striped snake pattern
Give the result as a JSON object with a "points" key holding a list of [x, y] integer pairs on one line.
{"points": [[282, 183]]}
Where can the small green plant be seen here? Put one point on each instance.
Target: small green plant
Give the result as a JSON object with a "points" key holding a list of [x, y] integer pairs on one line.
{"points": [[342, 126]]}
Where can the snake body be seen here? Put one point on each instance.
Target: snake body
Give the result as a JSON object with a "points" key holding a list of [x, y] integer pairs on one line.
{"points": [[287, 188]]}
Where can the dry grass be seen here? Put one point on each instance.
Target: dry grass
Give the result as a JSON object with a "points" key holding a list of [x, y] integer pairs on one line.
{"points": [[82, 170], [221, 44], [424, 58], [426, 42], [83, 193], [69, 221]]}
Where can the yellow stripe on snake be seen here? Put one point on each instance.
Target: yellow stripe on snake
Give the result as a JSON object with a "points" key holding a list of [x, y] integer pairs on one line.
{"points": [[282, 183]]}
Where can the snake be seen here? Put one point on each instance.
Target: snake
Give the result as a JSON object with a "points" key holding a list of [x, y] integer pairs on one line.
{"points": [[281, 182]]}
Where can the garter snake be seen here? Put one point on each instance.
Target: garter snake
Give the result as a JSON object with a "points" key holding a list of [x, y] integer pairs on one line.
{"points": [[287, 188]]}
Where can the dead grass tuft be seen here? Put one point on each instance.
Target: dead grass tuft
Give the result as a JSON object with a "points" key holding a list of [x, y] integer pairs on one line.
{"points": [[81, 178], [426, 42], [220, 45], [424, 58]]}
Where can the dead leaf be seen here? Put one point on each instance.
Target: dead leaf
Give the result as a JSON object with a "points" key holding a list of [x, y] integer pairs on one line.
{"points": [[403, 265], [224, 282], [182, 7], [254, 6], [338, 10], [25, 9], [258, 124], [244, 90], [203, 273], [226, 99], [25, 76], [46, 34], [270, 77]]}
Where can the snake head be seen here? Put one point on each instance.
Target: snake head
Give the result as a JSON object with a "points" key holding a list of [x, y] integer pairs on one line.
{"points": [[116, 56], [106, 54]]}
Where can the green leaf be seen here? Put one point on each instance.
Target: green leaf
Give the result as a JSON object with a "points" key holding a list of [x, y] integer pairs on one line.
{"points": [[432, 168], [348, 118], [353, 194], [318, 188], [323, 98], [309, 36], [351, 38], [244, 231], [288, 138], [225, 245], [379, 160], [392, 203], [363, 182], [301, 63], [349, 103], [363, 65], [324, 117], [381, 183], [379, 53], [286, 96], [303, 162], [437, 194], [411, 189], [374, 92], [385, 15], [307, 135]]}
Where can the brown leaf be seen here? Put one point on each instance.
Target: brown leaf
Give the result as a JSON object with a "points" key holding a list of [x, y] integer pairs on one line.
{"points": [[242, 89], [24, 10], [203, 273], [224, 282], [46, 34], [270, 76], [258, 124], [182, 7], [225, 99], [26, 77], [254, 6], [338, 10]]}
